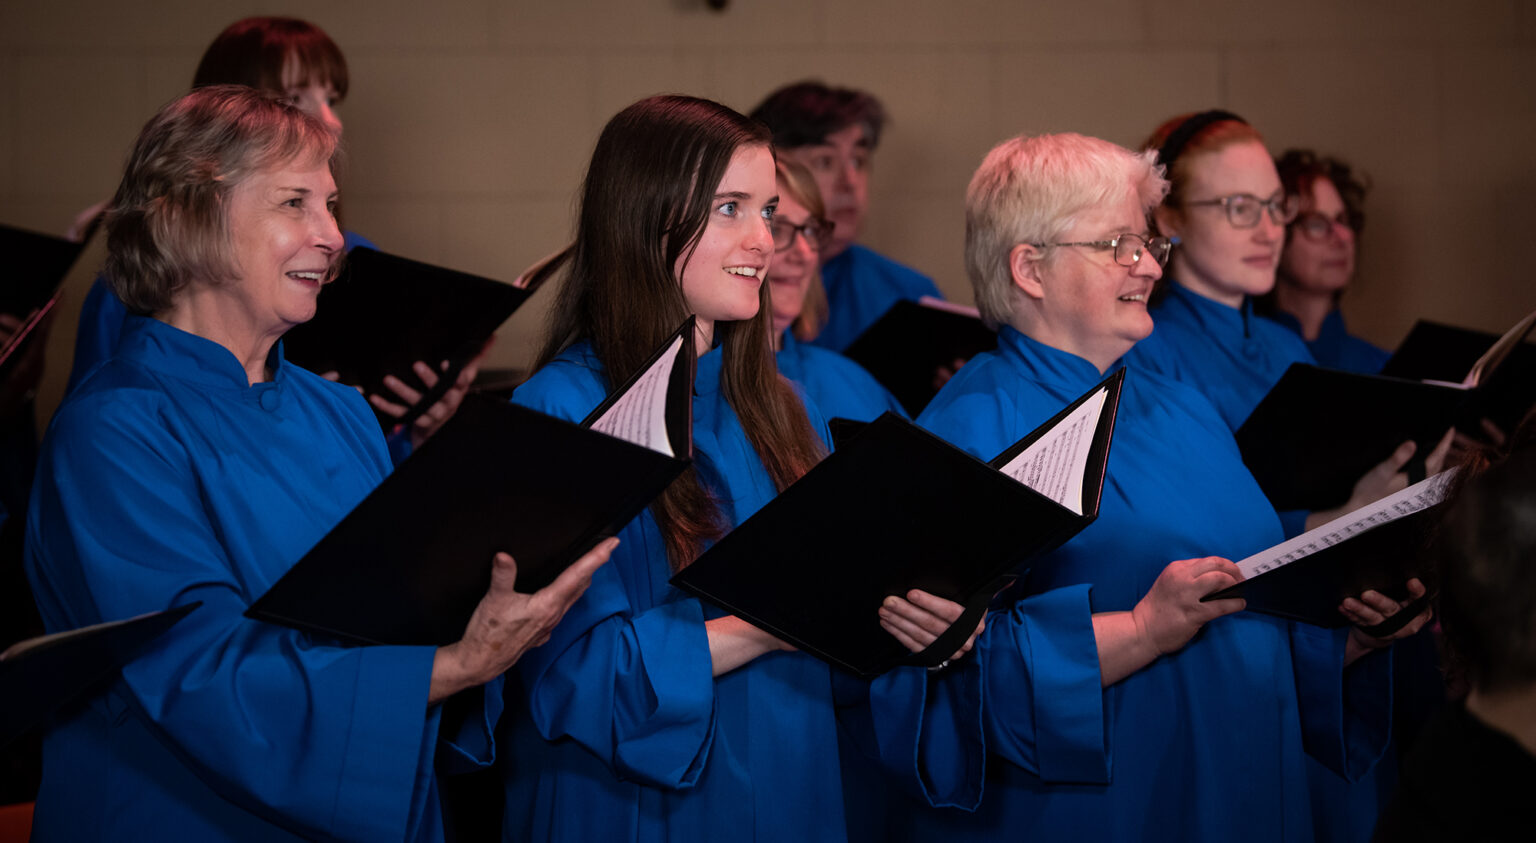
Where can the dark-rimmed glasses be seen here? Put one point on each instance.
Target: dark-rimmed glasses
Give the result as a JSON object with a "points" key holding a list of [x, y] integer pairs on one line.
{"points": [[1243, 209], [813, 230], [1318, 227], [1128, 248]]}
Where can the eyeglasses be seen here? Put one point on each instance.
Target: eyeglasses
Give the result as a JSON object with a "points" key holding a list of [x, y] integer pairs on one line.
{"points": [[814, 231], [1128, 248], [1315, 226], [1243, 209]]}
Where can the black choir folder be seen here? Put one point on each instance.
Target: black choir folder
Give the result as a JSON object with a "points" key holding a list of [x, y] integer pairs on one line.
{"points": [[896, 508], [1318, 430], [907, 345], [1433, 351], [41, 674], [1375, 547], [383, 313], [36, 265], [411, 562]]}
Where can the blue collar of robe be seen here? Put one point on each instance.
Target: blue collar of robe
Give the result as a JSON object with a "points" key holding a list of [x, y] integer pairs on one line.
{"points": [[170, 351], [1047, 364], [1222, 320]]}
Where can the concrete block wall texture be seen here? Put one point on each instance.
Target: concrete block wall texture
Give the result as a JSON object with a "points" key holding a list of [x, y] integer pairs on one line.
{"points": [[470, 121]]}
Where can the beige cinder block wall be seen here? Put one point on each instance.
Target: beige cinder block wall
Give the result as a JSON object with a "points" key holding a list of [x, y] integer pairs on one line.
{"points": [[469, 121]]}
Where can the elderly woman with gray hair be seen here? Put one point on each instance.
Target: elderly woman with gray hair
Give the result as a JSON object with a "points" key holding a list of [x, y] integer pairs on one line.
{"points": [[1118, 705], [197, 464]]}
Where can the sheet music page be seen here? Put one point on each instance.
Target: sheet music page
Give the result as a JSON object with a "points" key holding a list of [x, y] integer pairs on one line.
{"points": [[1055, 463], [1422, 495], [640, 415]]}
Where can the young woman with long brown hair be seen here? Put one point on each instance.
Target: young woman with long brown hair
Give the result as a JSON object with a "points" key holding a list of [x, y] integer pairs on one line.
{"points": [[651, 716]]}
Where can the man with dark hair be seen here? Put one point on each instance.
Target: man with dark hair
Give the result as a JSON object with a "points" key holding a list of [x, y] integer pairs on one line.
{"points": [[833, 133]]}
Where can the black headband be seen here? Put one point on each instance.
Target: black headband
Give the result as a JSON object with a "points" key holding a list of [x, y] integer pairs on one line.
{"points": [[1180, 137]]}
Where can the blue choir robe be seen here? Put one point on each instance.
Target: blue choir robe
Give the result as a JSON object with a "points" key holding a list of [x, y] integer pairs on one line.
{"points": [[101, 321], [861, 286], [841, 388], [167, 478], [1204, 744], [1227, 353], [1335, 347], [628, 737]]}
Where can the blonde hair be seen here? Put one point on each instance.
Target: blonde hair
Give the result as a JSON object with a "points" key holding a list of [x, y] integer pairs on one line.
{"points": [[169, 222], [800, 186]]}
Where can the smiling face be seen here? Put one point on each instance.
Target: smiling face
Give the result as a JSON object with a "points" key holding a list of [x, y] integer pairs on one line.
{"points": [[793, 267], [1088, 304], [1320, 265], [1215, 258], [841, 168], [722, 274], [285, 243]]}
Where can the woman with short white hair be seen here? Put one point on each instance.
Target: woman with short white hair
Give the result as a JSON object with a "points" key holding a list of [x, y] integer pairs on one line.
{"points": [[1118, 704]]}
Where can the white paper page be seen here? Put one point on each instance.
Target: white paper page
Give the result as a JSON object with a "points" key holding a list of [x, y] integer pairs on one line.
{"points": [[1422, 495], [1055, 463], [640, 415], [940, 304]]}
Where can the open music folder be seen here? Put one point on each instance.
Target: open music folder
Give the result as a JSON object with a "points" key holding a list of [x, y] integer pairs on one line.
{"points": [[41, 674], [384, 312], [1375, 547], [909, 343], [411, 562], [1318, 430], [1436, 352], [897, 508]]}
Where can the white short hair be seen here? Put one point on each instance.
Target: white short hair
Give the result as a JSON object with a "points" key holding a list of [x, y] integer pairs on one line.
{"points": [[1031, 190]]}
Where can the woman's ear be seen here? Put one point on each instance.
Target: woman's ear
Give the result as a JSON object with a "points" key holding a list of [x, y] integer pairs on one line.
{"points": [[1169, 221], [1024, 265]]}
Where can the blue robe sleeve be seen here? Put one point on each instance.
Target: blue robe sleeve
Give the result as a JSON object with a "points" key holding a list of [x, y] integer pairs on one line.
{"points": [[1346, 713], [923, 729], [327, 741], [631, 683], [1044, 703], [1044, 706], [466, 731]]}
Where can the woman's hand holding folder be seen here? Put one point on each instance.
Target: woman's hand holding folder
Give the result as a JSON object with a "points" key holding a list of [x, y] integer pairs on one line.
{"points": [[921, 618], [1165, 619], [1389, 476], [508, 623], [1372, 609], [440, 412]]}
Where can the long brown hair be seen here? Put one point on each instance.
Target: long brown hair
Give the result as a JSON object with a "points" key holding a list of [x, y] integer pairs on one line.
{"points": [[645, 202]]}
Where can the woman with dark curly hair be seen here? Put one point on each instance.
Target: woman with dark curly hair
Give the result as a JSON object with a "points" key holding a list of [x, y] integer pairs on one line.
{"points": [[1318, 261]]}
